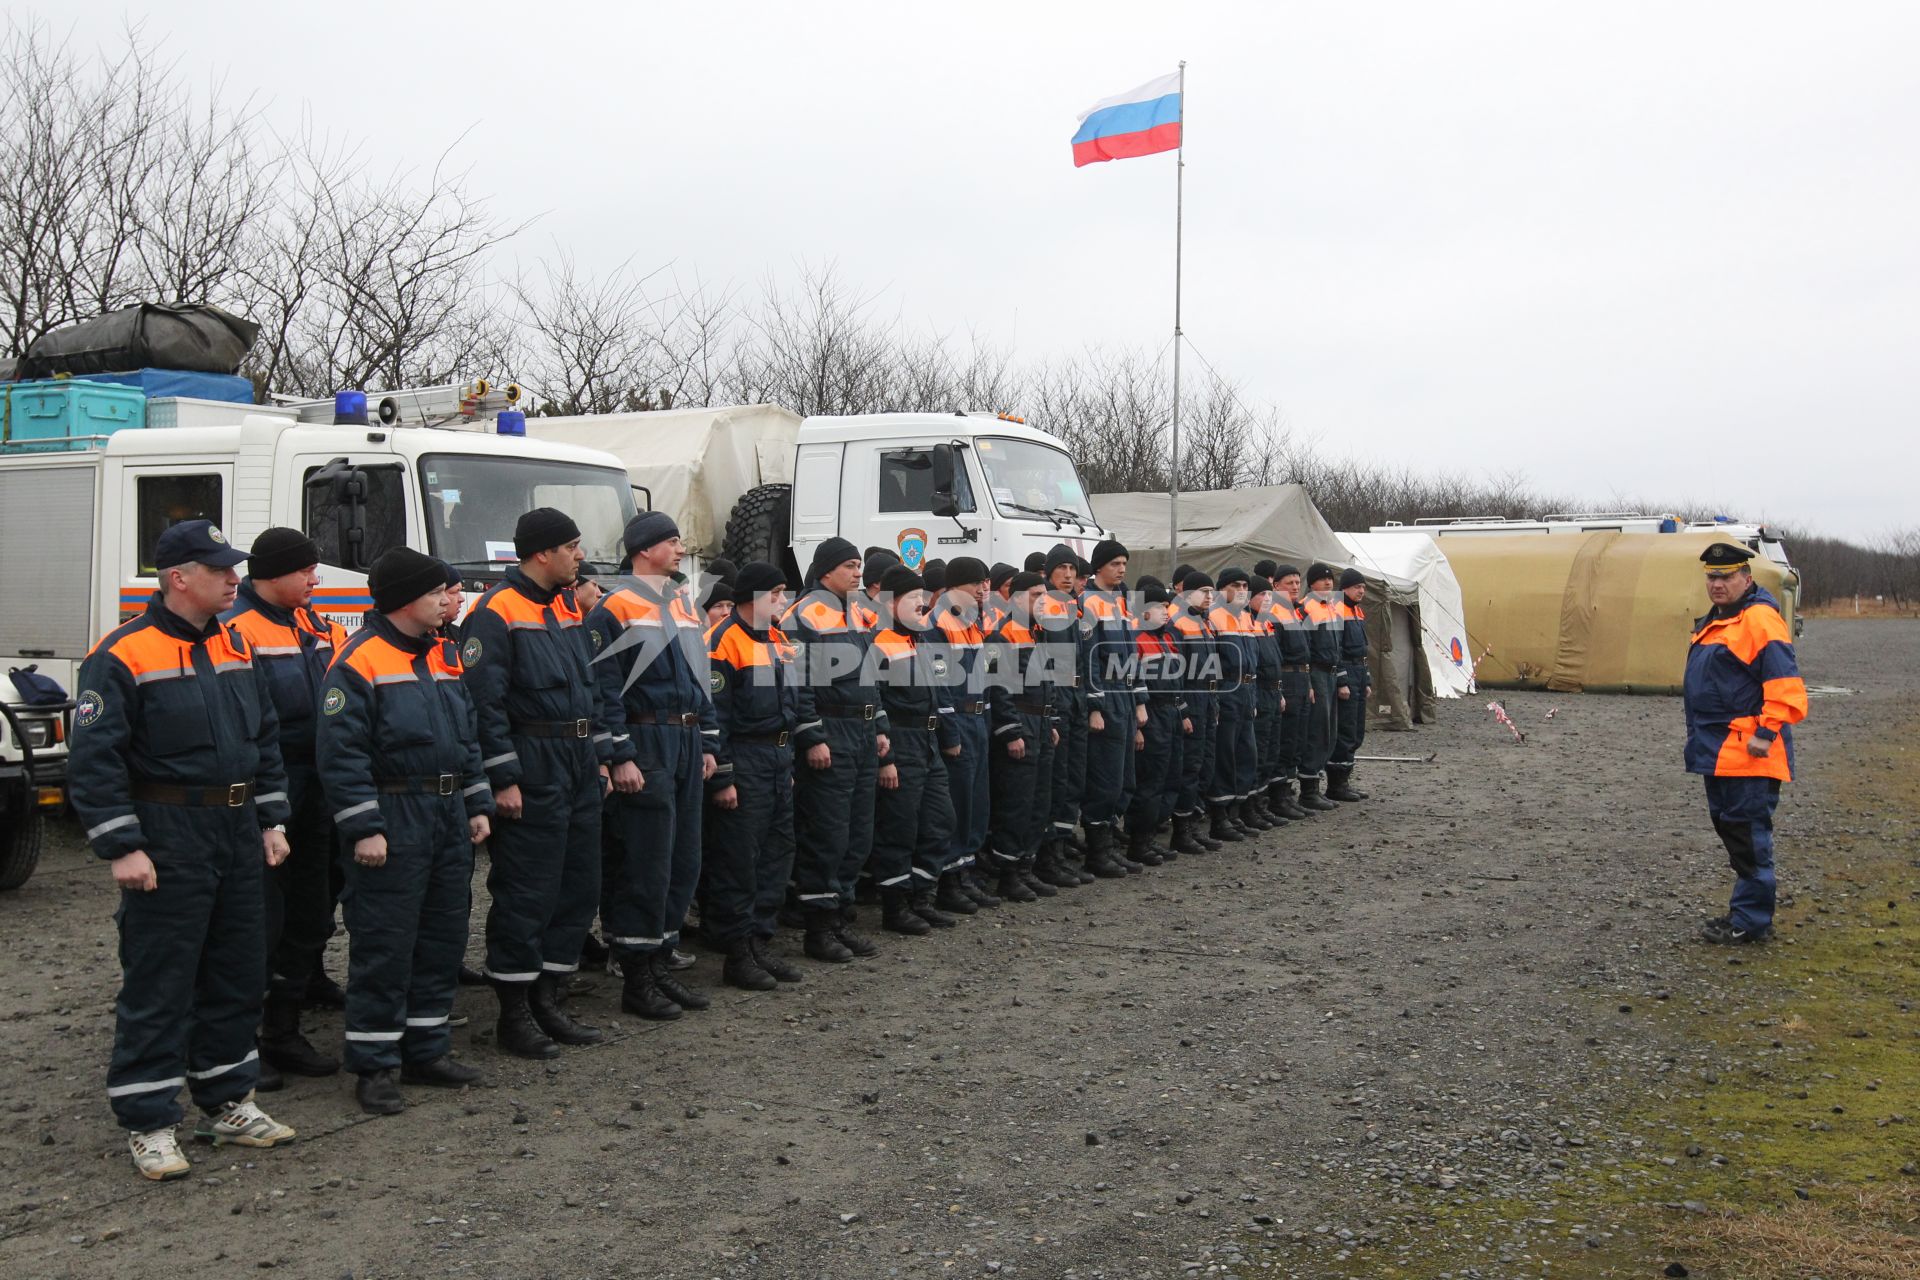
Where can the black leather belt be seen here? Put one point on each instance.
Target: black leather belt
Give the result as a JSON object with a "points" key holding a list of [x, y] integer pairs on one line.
{"points": [[970, 708], [780, 739], [679, 719], [863, 712], [914, 724], [231, 796], [554, 728], [1031, 708], [439, 784]]}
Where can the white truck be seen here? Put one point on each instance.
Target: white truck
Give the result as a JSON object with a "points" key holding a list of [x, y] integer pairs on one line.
{"points": [[78, 526], [757, 483]]}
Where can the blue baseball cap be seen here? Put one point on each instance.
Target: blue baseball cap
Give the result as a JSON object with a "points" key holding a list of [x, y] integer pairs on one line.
{"points": [[195, 542]]}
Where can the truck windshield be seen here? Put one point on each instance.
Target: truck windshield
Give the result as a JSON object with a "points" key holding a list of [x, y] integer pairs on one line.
{"points": [[1039, 477], [472, 502]]}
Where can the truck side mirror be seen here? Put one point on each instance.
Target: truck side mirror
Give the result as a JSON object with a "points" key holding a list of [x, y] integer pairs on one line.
{"points": [[347, 489], [944, 502]]}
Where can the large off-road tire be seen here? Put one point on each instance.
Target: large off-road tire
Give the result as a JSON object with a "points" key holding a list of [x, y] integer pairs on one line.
{"points": [[22, 831], [759, 526]]}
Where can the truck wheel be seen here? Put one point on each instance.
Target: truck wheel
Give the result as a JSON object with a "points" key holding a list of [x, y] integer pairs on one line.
{"points": [[759, 526], [20, 839]]}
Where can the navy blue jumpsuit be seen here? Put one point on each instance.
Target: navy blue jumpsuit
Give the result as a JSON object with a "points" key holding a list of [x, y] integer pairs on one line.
{"points": [[749, 848], [399, 754], [833, 807], [1021, 699], [176, 752], [1109, 671], [913, 823]]}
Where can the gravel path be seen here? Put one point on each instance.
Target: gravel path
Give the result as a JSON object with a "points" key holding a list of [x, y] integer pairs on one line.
{"points": [[1407, 1034]]}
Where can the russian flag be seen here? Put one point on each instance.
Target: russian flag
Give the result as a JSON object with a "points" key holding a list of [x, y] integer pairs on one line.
{"points": [[1139, 122]]}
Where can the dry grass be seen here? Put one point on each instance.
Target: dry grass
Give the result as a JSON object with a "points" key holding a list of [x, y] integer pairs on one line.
{"points": [[1857, 1233], [1867, 609]]}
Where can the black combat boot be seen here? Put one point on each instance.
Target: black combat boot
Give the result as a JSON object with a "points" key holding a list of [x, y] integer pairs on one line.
{"points": [[859, 944], [671, 987], [921, 900], [1065, 851], [1237, 815], [1249, 815], [1224, 832], [443, 1072], [593, 952], [774, 963], [639, 994], [821, 940], [1310, 797], [743, 970], [898, 916], [323, 992], [974, 882], [1100, 859], [1340, 786], [379, 1092], [517, 1033], [1140, 852], [543, 1002], [1012, 887], [1282, 799], [953, 898], [1265, 798], [1183, 841], [471, 977], [269, 1079], [1047, 866], [1029, 874], [282, 1044]]}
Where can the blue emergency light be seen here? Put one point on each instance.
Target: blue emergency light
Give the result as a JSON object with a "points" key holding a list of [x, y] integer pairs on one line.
{"points": [[511, 422], [349, 408]]}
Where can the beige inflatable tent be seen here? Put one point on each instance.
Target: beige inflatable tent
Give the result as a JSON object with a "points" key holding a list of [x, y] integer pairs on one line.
{"points": [[1604, 612], [1242, 526]]}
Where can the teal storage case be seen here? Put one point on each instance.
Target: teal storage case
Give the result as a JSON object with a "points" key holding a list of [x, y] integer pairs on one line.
{"points": [[67, 413]]}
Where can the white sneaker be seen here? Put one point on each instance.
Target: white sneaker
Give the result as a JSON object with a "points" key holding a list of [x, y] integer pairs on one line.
{"points": [[243, 1124], [156, 1154]]}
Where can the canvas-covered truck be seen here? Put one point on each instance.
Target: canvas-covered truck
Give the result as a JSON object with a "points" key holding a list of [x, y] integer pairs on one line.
{"points": [[756, 482], [79, 519]]}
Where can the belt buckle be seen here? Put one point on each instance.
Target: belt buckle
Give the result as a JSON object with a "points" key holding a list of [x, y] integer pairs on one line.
{"points": [[933, 722], [781, 739], [583, 728], [446, 784], [866, 711], [236, 795]]}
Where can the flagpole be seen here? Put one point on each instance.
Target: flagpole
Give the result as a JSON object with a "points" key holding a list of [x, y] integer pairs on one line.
{"points": [[1179, 209]]}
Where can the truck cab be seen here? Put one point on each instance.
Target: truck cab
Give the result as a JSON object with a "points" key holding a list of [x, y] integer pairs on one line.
{"points": [[80, 527], [933, 486]]}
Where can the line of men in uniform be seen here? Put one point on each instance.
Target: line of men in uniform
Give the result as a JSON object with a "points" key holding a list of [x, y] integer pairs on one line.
{"points": [[955, 736]]}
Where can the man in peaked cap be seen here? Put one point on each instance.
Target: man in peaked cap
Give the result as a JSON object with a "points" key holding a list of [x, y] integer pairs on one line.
{"points": [[1743, 691]]}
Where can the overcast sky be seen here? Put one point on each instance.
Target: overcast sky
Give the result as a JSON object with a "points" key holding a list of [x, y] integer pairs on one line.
{"points": [[1660, 250]]}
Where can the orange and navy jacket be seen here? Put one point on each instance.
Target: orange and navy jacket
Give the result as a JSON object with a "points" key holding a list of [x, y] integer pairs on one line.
{"points": [[1325, 627], [1012, 675], [293, 649], [1742, 684], [1266, 643], [1106, 644], [910, 672], [957, 643], [395, 709], [831, 666], [1056, 626], [1353, 637], [750, 677], [162, 702], [1160, 668], [526, 661], [1290, 624], [650, 655], [1239, 663], [1201, 648]]}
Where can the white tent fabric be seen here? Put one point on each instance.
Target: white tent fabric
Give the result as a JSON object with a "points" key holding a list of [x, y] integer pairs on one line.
{"points": [[1417, 557], [695, 463]]}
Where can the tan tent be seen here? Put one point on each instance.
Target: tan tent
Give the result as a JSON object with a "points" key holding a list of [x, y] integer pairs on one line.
{"points": [[694, 463], [1604, 612], [1279, 522]]}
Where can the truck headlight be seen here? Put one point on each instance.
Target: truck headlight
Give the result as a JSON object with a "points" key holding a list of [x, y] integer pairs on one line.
{"points": [[38, 733]]}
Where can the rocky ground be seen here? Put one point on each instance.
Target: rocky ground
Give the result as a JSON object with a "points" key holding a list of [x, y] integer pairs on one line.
{"points": [[1459, 1030]]}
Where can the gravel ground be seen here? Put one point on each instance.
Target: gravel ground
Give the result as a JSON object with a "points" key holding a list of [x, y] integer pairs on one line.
{"points": [[1400, 1039]]}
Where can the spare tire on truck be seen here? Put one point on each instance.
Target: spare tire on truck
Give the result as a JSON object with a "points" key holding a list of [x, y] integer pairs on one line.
{"points": [[758, 529]]}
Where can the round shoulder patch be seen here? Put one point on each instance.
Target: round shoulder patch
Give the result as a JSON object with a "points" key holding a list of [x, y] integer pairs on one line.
{"points": [[334, 703], [87, 708], [598, 639], [471, 650], [717, 680]]}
